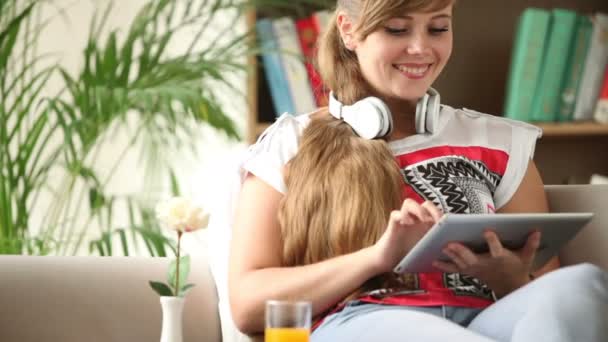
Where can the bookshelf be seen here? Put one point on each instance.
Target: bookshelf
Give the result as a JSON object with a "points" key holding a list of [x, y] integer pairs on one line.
{"points": [[476, 78]]}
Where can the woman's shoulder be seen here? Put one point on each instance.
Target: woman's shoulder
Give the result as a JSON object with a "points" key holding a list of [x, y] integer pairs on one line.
{"points": [[496, 124]]}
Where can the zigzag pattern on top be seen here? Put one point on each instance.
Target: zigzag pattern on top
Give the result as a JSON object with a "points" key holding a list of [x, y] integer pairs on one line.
{"points": [[439, 180]]}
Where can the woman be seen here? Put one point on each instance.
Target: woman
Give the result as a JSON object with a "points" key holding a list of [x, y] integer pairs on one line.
{"points": [[459, 161]]}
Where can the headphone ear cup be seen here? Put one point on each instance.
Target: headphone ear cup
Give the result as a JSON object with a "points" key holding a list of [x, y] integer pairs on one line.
{"points": [[370, 118], [421, 118], [433, 107], [427, 112], [385, 116]]}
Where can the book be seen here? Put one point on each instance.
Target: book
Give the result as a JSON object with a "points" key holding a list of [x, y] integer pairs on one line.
{"points": [[574, 68], [292, 61], [308, 34], [273, 68], [526, 60], [560, 36], [593, 73], [601, 109]]}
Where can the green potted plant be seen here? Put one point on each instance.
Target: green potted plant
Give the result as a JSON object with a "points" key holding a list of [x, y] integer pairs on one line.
{"points": [[169, 94]]}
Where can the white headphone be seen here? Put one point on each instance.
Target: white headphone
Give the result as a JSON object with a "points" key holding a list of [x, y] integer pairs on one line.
{"points": [[371, 118]]}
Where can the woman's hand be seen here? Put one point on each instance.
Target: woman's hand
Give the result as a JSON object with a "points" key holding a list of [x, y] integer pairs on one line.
{"points": [[501, 269], [405, 227]]}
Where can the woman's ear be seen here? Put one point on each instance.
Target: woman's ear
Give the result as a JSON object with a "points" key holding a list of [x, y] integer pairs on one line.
{"points": [[347, 30]]}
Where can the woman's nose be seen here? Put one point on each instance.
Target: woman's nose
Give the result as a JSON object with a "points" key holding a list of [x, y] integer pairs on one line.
{"points": [[417, 44]]}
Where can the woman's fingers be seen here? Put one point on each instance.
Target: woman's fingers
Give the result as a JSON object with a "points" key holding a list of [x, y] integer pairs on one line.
{"points": [[529, 250], [494, 244], [460, 255]]}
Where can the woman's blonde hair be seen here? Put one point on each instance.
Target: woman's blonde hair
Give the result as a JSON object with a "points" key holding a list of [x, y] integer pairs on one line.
{"points": [[337, 65], [340, 191]]}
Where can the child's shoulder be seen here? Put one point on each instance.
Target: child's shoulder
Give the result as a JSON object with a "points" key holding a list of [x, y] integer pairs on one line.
{"points": [[281, 139], [286, 127]]}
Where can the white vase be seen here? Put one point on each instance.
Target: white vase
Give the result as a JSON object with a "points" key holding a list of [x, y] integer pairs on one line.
{"points": [[172, 319]]}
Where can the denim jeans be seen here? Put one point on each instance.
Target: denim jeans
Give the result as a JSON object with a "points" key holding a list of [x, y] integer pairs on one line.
{"points": [[570, 304]]}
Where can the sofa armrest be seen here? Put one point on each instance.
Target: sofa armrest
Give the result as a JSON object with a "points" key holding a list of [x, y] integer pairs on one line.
{"points": [[97, 299]]}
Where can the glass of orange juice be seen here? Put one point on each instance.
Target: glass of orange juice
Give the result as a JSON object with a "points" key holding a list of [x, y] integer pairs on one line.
{"points": [[287, 321]]}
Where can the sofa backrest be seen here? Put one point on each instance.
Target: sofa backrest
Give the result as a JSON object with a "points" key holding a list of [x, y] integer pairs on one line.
{"points": [[589, 245], [75, 299]]}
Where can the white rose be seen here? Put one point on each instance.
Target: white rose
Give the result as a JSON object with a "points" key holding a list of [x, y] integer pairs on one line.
{"points": [[181, 214]]}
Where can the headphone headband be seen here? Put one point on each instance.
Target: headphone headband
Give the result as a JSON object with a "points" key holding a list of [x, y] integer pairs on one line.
{"points": [[371, 118]]}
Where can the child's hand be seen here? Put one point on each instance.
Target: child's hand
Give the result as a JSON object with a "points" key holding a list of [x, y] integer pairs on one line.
{"points": [[405, 228]]}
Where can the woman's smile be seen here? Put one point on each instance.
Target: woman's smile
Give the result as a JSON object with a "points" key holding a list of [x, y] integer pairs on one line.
{"points": [[413, 71]]}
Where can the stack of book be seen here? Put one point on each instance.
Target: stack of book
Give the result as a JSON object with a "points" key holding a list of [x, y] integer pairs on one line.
{"points": [[288, 52], [559, 67]]}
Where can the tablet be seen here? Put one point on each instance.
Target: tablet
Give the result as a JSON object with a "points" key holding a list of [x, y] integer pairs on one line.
{"points": [[512, 229]]}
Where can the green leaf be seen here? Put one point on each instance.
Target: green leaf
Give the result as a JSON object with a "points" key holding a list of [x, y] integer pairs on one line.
{"points": [[8, 36], [110, 61], [174, 183], [97, 200], [154, 240], [161, 288], [184, 270], [123, 241], [184, 289], [97, 245]]}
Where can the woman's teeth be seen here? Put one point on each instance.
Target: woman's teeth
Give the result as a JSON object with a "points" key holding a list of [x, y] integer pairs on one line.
{"points": [[417, 71]]}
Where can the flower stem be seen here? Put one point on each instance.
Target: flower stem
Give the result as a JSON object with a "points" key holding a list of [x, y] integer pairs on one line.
{"points": [[179, 238]]}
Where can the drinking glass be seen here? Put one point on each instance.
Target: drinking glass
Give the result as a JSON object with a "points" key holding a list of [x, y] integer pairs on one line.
{"points": [[287, 321]]}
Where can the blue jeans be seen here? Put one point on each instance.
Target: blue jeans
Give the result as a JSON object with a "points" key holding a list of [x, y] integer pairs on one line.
{"points": [[570, 304]]}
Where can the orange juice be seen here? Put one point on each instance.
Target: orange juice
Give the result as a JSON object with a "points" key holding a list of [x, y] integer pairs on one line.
{"points": [[286, 335]]}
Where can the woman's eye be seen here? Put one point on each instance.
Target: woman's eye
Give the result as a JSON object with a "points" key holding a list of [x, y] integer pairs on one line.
{"points": [[437, 31], [395, 31]]}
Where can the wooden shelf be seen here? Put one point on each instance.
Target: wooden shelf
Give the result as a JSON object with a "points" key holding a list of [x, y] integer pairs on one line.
{"points": [[573, 129]]}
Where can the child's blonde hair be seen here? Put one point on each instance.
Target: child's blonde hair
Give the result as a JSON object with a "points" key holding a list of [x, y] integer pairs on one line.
{"points": [[341, 190]]}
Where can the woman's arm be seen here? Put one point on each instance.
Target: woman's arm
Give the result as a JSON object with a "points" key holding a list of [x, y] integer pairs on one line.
{"points": [[255, 272], [530, 197]]}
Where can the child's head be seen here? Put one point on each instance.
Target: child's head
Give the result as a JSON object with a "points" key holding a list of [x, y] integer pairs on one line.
{"points": [[393, 49], [340, 191]]}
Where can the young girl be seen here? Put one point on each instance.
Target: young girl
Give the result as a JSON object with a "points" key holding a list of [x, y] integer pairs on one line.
{"points": [[458, 160], [341, 191]]}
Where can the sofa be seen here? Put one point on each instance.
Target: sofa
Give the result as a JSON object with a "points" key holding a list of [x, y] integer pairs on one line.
{"points": [[108, 298]]}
